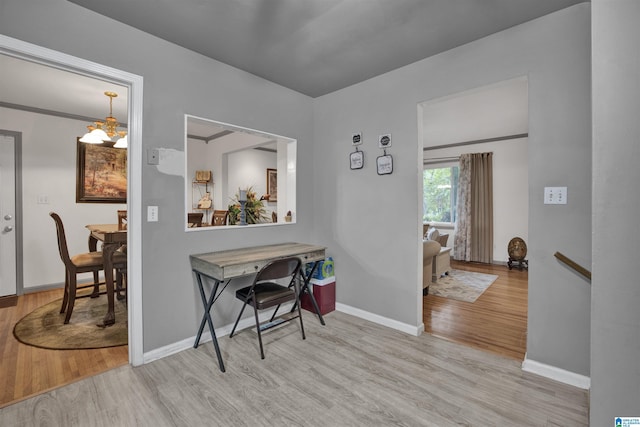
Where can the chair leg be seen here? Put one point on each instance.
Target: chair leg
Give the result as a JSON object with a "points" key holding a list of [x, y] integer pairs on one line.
{"points": [[237, 320], [96, 286], [121, 283], [72, 297], [255, 312], [65, 297]]}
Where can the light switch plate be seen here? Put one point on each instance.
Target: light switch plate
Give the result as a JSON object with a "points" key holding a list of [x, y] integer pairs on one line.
{"points": [[555, 195], [152, 214]]}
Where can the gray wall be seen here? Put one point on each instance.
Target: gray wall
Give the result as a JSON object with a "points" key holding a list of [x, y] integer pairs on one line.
{"points": [[615, 335], [176, 81], [370, 221]]}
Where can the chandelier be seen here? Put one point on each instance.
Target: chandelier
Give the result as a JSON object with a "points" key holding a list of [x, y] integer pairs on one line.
{"points": [[101, 131]]}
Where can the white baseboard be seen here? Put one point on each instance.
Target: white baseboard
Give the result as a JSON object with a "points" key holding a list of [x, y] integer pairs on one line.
{"points": [[556, 374], [384, 321], [222, 331]]}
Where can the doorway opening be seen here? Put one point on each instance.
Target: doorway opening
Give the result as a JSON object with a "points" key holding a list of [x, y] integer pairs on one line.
{"points": [[35, 54], [492, 118]]}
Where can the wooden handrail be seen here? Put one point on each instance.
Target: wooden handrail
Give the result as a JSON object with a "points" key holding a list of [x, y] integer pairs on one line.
{"points": [[577, 267]]}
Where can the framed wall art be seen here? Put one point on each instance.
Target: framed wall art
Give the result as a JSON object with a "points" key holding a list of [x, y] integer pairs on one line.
{"points": [[101, 174], [272, 184]]}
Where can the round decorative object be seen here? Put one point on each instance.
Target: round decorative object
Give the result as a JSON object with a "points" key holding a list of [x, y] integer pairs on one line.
{"points": [[517, 249]]}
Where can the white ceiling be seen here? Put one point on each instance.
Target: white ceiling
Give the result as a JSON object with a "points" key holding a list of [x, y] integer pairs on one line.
{"points": [[33, 85], [311, 46]]}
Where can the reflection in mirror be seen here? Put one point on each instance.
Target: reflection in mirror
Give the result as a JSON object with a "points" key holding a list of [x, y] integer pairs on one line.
{"points": [[227, 164]]}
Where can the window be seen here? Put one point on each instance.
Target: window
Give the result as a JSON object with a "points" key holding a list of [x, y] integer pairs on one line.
{"points": [[440, 194]]}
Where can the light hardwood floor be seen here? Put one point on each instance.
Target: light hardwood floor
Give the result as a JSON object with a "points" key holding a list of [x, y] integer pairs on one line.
{"points": [[350, 372], [27, 371], [496, 321]]}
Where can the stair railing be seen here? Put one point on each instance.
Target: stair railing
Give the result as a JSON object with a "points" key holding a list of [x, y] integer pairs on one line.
{"points": [[577, 267]]}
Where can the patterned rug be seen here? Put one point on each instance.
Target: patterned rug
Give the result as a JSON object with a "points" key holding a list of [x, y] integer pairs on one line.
{"points": [[44, 327], [462, 285]]}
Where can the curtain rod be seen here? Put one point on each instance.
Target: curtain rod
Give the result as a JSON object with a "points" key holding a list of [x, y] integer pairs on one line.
{"points": [[440, 160], [478, 141]]}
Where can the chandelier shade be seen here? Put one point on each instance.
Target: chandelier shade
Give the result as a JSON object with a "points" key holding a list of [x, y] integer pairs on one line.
{"points": [[101, 131]]}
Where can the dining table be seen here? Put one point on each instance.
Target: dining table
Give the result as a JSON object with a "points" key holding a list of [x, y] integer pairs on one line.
{"points": [[112, 237]]}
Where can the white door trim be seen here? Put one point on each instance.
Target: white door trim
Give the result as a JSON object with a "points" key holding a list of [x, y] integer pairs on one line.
{"points": [[134, 83], [8, 205]]}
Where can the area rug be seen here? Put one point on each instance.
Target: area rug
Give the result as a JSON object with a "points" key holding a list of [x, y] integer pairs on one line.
{"points": [[462, 285], [44, 327]]}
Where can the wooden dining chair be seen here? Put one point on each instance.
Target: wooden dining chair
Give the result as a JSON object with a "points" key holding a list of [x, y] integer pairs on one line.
{"points": [[194, 219], [219, 217], [81, 263], [265, 293], [122, 220]]}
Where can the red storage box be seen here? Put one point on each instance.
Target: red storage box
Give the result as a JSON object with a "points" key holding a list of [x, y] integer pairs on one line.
{"points": [[324, 291]]}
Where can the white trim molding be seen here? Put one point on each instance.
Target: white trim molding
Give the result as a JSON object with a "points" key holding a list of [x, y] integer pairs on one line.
{"points": [[384, 321], [556, 374]]}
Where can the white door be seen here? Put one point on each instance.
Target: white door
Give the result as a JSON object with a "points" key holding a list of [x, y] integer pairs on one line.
{"points": [[7, 216]]}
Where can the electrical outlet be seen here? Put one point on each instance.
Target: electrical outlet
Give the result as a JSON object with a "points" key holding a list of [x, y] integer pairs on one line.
{"points": [[43, 200], [555, 195], [152, 214]]}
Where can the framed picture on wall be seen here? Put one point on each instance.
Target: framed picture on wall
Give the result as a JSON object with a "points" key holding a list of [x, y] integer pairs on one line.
{"points": [[101, 174], [272, 184]]}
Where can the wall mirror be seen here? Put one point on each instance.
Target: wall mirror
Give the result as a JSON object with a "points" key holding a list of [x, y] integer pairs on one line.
{"points": [[226, 164]]}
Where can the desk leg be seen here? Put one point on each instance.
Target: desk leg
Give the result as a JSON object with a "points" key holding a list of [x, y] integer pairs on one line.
{"points": [[206, 317], [107, 253], [305, 288]]}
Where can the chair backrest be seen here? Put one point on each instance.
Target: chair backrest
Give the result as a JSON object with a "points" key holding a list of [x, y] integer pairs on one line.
{"points": [[279, 269], [122, 219], [62, 240], [219, 217], [194, 219]]}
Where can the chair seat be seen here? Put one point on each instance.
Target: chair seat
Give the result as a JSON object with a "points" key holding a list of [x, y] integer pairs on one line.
{"points": [[87, 260], [267, 294], [95, 259]]}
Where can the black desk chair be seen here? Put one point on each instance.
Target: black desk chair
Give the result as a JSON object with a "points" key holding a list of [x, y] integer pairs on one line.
{"points": [[263, 294]]}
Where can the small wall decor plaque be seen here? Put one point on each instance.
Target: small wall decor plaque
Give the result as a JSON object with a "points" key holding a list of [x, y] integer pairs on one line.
{"points": [[356, 138], [357, 159], [384, 164], [384, 141]]}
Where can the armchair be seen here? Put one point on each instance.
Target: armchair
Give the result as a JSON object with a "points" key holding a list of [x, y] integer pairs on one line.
{"points": [[430, 249]]}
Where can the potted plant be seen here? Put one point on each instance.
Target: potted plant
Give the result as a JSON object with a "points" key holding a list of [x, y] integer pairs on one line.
{"points": [[254, 210]]}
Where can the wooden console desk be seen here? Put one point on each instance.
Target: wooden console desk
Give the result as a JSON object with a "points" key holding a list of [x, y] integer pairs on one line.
{"points": [[224, 266]]}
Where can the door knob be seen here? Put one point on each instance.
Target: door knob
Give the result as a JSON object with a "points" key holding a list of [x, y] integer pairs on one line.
{"points": [[8, 217], [8, 228]]}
